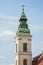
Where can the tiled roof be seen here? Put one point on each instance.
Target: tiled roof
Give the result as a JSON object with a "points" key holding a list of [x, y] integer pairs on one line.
{"points": [[38, 60]]}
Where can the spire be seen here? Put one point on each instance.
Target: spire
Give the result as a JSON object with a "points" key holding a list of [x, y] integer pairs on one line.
{"points": [[23, 14], [23, 26], [23, 8]]}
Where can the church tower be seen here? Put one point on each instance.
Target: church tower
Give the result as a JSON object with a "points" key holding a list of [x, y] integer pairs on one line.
{"points": [[23, 42]]}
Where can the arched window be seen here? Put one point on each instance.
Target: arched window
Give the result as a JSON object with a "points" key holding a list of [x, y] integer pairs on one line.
{"points": [[16, 62], [16, 48], [25, 62], [24, 47]]}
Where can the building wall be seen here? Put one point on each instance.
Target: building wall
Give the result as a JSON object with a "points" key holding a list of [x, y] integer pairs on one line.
{"points": [[20, 55]]}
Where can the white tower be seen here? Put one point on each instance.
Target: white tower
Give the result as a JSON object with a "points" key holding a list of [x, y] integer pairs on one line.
{"points": [[23, 42]]}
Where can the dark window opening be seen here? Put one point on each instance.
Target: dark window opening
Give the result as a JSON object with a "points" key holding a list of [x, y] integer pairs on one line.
{"points": [[16, 48], [16, 62], [24, 47], [25, 62]]}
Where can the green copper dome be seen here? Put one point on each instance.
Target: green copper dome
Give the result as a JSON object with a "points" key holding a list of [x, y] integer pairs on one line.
{"points": [[23, 26]]}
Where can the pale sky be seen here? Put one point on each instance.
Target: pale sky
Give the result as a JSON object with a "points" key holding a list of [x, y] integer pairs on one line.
{"points": [[10, 11]]}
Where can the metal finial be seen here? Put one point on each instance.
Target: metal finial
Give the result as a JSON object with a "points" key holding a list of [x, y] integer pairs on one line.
{"points": [[22, 8]]}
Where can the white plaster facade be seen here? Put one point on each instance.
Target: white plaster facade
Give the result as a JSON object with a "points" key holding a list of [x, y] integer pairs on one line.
{"points": [[20, 55]]}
